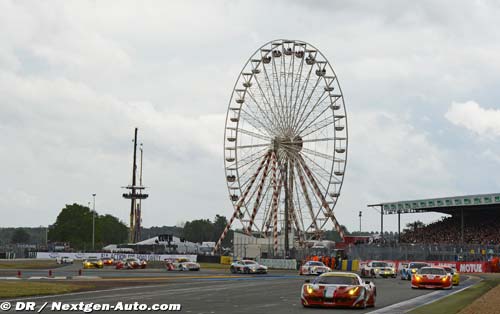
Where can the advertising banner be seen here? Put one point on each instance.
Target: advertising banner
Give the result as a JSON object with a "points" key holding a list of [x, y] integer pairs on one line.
{"points": [[116, 256]]}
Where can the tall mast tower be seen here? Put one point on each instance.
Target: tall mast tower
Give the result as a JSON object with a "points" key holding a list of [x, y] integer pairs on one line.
{"points": [[136, 193]]}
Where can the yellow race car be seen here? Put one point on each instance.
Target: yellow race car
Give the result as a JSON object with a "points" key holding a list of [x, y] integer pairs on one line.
{"points": [[455, 275], [93, 262]]}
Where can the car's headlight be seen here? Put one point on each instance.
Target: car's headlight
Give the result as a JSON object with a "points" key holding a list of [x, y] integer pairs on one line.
{"points": [[353, 291], [417, 278], [309, 289], [413, 270], [376, 270]]}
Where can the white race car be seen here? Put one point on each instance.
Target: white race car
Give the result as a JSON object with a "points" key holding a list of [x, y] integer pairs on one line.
{"points": [[314, 268], [64, 260], [181, 265], [378, 269]]}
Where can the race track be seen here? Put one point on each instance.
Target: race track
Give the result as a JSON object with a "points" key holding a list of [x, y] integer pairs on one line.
{"points": [[218, 291]]}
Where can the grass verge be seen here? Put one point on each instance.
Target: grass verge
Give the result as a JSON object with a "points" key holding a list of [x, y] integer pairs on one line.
{"points": [[28, 264], [213, 266], [456, 302], [14, 289]]}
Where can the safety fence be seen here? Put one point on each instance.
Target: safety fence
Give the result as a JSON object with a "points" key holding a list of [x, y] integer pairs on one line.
{"points": [[429, 252]]}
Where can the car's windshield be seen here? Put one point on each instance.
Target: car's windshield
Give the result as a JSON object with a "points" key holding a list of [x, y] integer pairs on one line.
{"points": [[380, 264], [337, 280], [316, 264], [431, 271], [448, 269], [418, 265], [250, 263]]}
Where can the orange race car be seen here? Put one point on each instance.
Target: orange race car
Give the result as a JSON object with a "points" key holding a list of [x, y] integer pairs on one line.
{"points": [[431, 278]]}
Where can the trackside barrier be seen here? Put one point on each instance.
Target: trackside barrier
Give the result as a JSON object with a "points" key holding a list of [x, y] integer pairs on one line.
{"points": [[278, 263], [226, 260], [462, 267], [350, 265], [117, 256]]}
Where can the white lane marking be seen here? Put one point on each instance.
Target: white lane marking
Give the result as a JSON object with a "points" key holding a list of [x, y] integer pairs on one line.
{"points": [[400, 306], [220, 285]]}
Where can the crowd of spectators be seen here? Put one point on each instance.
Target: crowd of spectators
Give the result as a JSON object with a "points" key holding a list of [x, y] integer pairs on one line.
{"points": [[478, 229]]}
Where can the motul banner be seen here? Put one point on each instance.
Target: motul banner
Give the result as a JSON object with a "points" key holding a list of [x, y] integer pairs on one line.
{"points": [[471, 267], [462, 267]]}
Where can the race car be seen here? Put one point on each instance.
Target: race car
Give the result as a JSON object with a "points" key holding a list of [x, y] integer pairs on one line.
{"points": [[247, 267], [410, 269], [92, 262], [313, 268], [455, 276], [181, 265], [64, 260], [338, 289], [108, 261], [375, 268], [130, 263], [431, 278]]}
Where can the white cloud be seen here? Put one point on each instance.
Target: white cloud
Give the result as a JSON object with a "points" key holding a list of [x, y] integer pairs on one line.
{"points": [[470, 115], [390, 160], [77, 77]]}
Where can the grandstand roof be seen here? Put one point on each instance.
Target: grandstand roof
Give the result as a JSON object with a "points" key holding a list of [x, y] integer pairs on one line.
{"points": [[446, 205]]}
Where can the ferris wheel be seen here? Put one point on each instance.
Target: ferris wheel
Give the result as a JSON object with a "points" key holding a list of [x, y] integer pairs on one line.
{"points": [[285, 143]]}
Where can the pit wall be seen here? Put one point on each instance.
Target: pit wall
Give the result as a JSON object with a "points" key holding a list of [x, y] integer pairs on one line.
{"points": [[462, 267]]}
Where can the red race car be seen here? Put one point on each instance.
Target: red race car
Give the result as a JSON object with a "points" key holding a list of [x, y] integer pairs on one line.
{"points": [[108, 261], [338, 290], [130, 263], [431, 278]]}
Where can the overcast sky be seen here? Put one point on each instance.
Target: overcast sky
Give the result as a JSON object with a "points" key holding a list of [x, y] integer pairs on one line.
{"points": [[420, 81]]}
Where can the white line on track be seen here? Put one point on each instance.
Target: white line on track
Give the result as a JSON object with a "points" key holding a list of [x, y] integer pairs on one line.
{"points": [[409, 305]]}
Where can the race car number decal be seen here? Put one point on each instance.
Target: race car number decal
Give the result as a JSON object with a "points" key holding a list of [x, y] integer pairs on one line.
{"points": [[329, 292]]}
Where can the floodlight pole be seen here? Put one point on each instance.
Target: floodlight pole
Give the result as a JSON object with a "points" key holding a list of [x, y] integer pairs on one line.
{"points": [[93, 224], [381, 219], [381, 223], [399, 225], [360, 214]]}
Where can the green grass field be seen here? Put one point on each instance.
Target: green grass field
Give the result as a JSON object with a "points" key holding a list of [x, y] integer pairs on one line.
{"points": [[14, 289], [213, 266], [28, 264], [455, 303]]}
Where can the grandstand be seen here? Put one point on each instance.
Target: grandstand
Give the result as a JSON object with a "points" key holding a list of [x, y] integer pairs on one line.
{"points": [[475, 219]]}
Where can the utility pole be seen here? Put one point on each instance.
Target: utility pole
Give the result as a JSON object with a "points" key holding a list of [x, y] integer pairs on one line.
{"points": [[93, 224], [360, 214]]}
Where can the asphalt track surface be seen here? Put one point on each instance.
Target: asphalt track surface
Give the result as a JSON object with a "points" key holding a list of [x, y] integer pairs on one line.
{"points": [[218, 291]]}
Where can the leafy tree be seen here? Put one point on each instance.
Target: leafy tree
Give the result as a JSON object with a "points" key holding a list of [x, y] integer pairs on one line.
{"points": [[110, 230], [74, 225], [20, 236], [414, 226], [204, 230], [333, 235], [198, 230], [220, 223]]}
